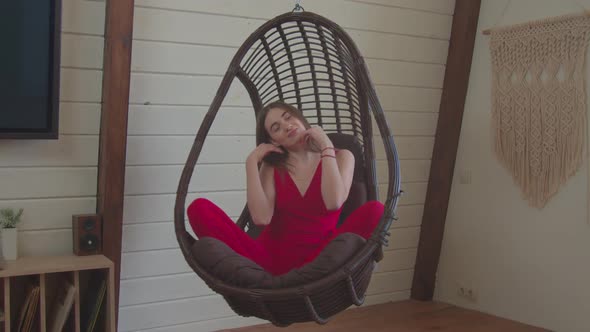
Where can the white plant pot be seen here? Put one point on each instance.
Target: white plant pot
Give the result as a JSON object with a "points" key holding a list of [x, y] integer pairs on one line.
{"points": [[9, 243]]}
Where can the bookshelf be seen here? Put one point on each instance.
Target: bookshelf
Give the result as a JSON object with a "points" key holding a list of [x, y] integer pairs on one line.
{"points": [[46, 291]]}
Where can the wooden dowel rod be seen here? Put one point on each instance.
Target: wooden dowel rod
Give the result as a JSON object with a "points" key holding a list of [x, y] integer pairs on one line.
{"points": [[488, 31]]}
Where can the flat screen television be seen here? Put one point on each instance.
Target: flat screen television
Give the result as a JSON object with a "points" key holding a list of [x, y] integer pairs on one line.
{"points": [[29, 68]]}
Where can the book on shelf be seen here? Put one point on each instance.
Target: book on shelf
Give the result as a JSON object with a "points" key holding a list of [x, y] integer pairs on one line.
{"points": [[61, 306], [93, 301], [29, 309]]}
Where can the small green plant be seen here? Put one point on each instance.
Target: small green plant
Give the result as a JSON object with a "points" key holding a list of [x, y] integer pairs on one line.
{"points": [[8, 218]]}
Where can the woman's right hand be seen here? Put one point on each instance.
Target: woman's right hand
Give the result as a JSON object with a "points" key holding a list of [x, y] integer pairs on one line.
{"points": [[261, 151]]}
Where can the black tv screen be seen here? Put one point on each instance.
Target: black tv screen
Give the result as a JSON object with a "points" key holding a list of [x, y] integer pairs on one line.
{"points": [[29, 68]]}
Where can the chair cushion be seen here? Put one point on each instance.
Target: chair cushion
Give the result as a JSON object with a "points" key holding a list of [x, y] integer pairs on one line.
{"points": [[358, 190], [335, 254], [227, 265]]}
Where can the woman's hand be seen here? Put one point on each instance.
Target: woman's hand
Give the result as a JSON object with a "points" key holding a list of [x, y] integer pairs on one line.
{"points": [[261, 151], [319, 137]]}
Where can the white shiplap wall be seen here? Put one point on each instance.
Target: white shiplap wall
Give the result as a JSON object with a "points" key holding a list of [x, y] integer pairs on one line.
{"points": [[181, 50], [54, 179]]}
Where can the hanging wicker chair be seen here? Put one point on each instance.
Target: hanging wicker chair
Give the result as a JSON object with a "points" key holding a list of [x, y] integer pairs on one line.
{"points": [[306, 60]]}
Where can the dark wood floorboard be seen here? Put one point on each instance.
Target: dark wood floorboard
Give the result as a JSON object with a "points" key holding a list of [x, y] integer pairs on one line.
{"points": [[406, 316]]}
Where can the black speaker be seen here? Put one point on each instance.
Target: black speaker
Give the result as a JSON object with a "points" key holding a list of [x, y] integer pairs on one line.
{"points": [[87, 230]]}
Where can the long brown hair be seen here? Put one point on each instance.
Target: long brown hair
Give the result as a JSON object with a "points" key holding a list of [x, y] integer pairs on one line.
{"points": [[277, 160]]}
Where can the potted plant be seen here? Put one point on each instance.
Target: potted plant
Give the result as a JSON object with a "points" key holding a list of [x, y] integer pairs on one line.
{"points": [[9, 219]]}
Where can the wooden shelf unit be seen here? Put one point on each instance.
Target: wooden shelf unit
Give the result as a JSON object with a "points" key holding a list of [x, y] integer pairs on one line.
{"points": [[47, 272]]}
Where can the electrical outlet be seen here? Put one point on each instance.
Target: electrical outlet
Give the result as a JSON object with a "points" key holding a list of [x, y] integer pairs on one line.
{"points": [[467, 293]]}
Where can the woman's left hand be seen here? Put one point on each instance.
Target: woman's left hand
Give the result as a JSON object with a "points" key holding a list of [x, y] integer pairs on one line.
{"points": [[318, 135]]}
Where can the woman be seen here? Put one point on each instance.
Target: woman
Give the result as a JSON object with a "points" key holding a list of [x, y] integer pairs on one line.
{"points": [[296, 194]]}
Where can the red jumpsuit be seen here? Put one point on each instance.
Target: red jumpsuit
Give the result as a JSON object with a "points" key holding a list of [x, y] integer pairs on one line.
{"points": [[300, 227]]}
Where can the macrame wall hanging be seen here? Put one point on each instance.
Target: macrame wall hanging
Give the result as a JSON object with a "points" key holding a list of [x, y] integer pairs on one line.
{"points": [[539, 102]]}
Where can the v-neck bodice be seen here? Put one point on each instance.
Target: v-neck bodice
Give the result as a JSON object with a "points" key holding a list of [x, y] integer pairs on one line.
{"points": [[313, 178], [289, 199], [300, 220]]}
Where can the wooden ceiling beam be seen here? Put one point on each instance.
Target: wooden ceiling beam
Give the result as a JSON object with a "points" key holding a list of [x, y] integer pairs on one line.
{"points": [[113, 129], [456, 82]]}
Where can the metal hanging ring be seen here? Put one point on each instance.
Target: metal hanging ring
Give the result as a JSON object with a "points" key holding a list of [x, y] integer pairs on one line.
{"points": [[298, 7]]}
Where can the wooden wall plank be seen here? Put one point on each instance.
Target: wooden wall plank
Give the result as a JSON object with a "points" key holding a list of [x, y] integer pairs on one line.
{"points": [[154, 150], [80, 119], [81, 51], [445, 147], [179, 57], [408, 124], [162, 179], [162, 288], [159, 208], [404, 238], [387, 19], [408, 147], [152, 236], [402, 98], [438, 6], [191, 27], [184, 120], [400, 47], [353, 15], [166, 57], [409, 215], [80, 85], [182, 90], [67, 151], [85, 17], [398, 259], [40, 214], [48, 242], [390, 282], [414, 170], [414, 193], [406, 73], [21, 183], [385, 297]]}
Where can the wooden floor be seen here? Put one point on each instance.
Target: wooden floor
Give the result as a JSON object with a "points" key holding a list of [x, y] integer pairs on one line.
{"points": [[406, 316]]}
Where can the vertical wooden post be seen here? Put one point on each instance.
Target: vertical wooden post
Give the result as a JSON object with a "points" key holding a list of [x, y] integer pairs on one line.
{"points": [[113, 129], [448, 129]]}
